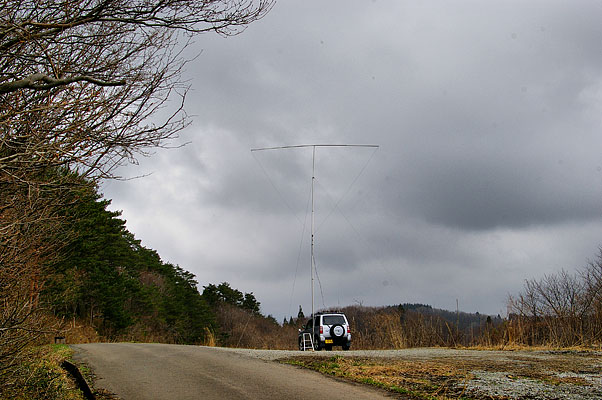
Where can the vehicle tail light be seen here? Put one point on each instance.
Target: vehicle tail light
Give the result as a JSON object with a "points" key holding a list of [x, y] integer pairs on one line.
{"points": [[348, 329], [321, 329]]}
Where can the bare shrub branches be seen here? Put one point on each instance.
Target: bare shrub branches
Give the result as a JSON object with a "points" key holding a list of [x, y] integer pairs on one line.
{"points": [[560, 309]]}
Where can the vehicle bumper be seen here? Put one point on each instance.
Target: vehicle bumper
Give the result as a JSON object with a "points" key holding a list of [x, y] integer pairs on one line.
{"points": [[342, 341]]}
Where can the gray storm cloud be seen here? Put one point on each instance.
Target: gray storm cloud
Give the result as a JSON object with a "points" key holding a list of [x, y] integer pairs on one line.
{"points": [[489, 170]]}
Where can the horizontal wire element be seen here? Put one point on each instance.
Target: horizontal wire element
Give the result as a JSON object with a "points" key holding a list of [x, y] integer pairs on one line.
{"points": [[315, 145]]}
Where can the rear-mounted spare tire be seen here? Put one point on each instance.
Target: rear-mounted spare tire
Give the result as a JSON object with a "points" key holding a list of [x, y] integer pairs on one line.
{"points": [[337, 331]]}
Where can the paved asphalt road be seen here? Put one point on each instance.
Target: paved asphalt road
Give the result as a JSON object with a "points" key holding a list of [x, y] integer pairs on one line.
{"points": [[136, 371]]}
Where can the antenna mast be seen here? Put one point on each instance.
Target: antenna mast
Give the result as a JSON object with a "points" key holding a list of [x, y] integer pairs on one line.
{"points": [[313, 260], [313, 178]]}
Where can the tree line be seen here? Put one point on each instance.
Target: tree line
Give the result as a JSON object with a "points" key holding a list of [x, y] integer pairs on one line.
{"points": [[108, 281]]}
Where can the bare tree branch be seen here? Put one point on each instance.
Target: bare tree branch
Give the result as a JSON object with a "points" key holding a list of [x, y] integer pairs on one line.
{"points": [[45, 82]]}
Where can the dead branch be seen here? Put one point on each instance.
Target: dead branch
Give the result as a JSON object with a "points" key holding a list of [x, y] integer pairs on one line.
{"points": [[45, 82]]}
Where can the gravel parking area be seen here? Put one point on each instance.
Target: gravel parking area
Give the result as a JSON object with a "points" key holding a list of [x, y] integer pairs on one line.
{"points": [[573, 375]]}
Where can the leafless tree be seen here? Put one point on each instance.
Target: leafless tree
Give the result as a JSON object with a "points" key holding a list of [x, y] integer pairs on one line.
{"points": [[592, 277], [560, 309], [83, 86], [79, 80]]}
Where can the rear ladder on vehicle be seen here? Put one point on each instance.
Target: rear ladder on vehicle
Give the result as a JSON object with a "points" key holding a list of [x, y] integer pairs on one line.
{"points": [[308, 341]]}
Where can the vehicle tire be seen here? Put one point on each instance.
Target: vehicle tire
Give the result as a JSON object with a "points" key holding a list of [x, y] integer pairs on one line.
{"points": [[337, 331], [346, 347], [328, 347]]}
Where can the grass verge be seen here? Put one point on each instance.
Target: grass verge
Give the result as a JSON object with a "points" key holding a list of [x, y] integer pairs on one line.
{"points": [[40, 376]]}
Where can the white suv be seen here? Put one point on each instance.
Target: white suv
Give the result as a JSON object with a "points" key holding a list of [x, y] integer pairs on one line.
{"points": [[327, 330]]}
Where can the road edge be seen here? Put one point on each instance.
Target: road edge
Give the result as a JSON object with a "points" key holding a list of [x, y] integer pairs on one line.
{"points": [[82, 384]]}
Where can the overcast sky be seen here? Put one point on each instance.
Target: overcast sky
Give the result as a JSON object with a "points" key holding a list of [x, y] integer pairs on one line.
{"points": [[489, 172]]}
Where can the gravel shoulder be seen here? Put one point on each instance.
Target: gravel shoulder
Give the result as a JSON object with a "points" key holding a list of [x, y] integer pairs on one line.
{"points": [[565, 374]]}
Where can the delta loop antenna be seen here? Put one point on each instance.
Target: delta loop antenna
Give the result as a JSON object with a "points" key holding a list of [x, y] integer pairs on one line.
{"points": [[313, 178]]}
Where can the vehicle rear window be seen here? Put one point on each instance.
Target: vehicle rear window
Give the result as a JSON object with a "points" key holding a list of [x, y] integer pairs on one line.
{"points": [[333, 320]]}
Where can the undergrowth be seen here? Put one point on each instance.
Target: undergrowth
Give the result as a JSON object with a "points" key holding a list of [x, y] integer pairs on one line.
{"points": [[40, 376]]}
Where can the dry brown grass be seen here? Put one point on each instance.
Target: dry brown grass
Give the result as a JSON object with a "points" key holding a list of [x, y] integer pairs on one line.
{"points": [[416, 379], [210, 339], [449, 375]]}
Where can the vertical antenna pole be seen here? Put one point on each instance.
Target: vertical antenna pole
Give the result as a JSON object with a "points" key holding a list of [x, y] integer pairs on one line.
{"points": [[313, 178]]}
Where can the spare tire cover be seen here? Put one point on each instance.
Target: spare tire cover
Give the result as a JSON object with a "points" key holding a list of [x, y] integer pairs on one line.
{"points": [[337, 330]]}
